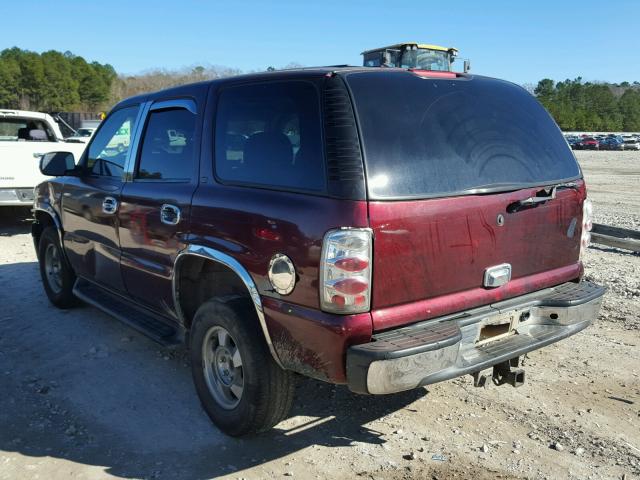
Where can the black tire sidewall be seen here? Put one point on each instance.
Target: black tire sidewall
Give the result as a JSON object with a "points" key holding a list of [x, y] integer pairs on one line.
{"points": [[257, 363], [64, 298]]}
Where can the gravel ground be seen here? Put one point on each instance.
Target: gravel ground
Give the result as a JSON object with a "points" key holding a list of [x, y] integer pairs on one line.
{"points": [[83, 396]]}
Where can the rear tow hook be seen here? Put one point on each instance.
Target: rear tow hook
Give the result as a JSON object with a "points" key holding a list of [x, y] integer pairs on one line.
{"points": [[501, 374]]}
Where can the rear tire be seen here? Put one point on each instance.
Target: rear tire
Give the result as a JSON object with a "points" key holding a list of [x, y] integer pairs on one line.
{"points": [[240, 386], [57, 275]]}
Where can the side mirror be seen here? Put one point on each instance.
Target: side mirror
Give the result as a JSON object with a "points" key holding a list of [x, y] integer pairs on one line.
{"points": [[467, 66], [57, 164]]}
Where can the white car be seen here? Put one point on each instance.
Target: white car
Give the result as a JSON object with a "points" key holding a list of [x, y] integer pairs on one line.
{"points": [[24, 138], [82, 135]]}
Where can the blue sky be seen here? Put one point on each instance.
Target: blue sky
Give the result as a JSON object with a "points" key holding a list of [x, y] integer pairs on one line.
{"points": [[521, 41]]}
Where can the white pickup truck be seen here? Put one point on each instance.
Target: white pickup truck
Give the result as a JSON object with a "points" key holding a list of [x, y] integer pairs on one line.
{"points": [[24, 138]]}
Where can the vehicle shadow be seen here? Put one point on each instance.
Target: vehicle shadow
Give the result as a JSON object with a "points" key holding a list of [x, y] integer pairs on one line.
{"points": [[82, 387], [14, 221]]}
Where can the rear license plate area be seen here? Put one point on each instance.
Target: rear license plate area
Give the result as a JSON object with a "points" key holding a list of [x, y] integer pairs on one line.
{"points": [[496, 327]]}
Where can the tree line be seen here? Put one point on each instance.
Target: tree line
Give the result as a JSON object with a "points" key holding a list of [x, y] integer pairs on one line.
{"points": [[587, 106], [53, 81]]}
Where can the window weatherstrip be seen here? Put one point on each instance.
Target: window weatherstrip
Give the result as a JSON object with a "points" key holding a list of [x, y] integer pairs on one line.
{"points": [[134, 141]]}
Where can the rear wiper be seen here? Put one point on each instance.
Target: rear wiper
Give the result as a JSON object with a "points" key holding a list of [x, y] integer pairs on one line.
{"points": [[494, 188]]}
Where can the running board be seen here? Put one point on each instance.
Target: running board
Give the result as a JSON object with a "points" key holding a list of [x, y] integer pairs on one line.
{"points": [[139, 318]]}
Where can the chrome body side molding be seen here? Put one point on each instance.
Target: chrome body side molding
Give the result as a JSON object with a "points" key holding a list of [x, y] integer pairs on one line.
{"points": [[238, 269]]}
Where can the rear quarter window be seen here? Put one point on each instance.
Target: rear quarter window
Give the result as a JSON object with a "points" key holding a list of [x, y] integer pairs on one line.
{"points": [[25, 130], [270, 135]]}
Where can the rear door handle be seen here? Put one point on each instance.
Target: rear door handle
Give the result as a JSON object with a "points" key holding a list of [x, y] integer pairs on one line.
{"points": [[109, 205], [169, 214]]}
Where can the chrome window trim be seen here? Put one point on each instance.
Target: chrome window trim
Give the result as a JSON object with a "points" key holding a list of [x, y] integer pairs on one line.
{"points": [[238, 269]]}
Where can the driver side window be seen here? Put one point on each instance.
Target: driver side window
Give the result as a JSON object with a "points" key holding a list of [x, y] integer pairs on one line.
{"points": [[110, 146]]}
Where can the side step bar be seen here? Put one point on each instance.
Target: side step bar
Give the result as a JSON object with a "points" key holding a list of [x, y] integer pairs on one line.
{"points": [[141, 319]]}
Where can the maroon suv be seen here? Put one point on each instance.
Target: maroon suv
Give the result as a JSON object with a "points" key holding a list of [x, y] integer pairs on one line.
{"points": [[379, 228]]}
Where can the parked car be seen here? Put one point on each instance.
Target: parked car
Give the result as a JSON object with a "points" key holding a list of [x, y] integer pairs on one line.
{"points": [[82, 135], [589, 143], [612, 143], [24, 137], [573, 141], [439, 235], [632, 144]]}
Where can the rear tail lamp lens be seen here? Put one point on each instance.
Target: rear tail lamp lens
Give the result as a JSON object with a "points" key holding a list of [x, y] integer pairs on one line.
{"points": [[352, 264], [345, 272], [587, 225]]}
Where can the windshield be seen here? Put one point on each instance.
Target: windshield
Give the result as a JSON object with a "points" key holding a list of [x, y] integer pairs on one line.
{"points": [[423, 59], [426, 137]]}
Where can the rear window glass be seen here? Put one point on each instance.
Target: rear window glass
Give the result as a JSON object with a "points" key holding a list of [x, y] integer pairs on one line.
{"points": [[426, 138], [25, 130], [270, 135]]}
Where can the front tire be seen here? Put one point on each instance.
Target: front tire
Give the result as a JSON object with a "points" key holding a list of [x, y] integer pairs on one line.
{"points": [[240, 386], [57, 275]]}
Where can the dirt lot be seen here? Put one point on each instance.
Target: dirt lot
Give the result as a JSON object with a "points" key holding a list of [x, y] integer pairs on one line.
{"points": [[83, 396]]}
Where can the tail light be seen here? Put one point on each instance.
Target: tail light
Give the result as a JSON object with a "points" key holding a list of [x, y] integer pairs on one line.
{"points": [[587, 225], [345, 272]]}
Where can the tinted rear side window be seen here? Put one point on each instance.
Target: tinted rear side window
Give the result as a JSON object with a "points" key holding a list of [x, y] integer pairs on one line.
{"points": [[168, 146], [270, 135], [426, 138]]}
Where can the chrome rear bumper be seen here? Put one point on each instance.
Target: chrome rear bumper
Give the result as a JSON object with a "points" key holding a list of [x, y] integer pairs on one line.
{"points": [[448, 347]]}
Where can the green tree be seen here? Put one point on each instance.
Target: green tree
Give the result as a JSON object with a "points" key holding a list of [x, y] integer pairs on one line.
{"points": [[60, 88], [545, 88], [31, 80], [53, 81], [9, 82], [576, 105], [629, 105]]}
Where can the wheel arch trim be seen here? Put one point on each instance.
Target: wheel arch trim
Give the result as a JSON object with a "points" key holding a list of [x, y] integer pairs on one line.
{"points": [[56, 221], [51, 212], [235, 266]]}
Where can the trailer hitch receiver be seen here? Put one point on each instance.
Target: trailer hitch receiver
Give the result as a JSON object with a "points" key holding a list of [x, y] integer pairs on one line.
{"points": [[501, 374], [506, 373]]}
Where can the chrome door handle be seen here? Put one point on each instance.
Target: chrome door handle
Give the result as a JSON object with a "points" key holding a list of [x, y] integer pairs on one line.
{"points": [[169, 214], [109, 205]]}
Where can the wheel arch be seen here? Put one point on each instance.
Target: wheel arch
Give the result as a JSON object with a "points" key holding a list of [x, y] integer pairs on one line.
{"points": [[228, 269], [44, 217]]}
